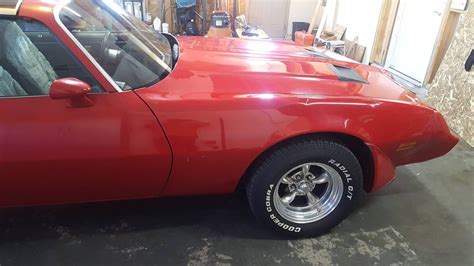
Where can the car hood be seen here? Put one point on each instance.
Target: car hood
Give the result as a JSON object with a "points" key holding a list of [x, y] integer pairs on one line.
{"points": [[243, 67]]}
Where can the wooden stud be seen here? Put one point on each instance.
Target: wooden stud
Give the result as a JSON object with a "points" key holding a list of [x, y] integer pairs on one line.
{"points": [[312, 25], [324, 18], [445, 36], [384, 31]]}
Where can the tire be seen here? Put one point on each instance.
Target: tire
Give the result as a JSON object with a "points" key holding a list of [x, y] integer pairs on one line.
{"points": [[306, 165]]}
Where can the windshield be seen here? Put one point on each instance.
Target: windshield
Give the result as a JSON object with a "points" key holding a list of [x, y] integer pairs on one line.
{"points": [[127, 49]]}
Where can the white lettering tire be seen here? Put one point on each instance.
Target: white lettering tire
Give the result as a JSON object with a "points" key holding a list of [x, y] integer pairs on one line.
{"points": [[305, 187]]}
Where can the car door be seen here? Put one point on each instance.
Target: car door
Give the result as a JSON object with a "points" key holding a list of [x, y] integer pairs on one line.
{"points": [[52, 152]]}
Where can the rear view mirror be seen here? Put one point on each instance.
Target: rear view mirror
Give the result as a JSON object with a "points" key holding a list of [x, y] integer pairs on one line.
{"points": [[73, 89]]}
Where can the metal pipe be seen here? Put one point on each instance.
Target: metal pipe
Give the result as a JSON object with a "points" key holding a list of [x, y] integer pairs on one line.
{"points": [[234, 14], [162, 11], [204, 16]]}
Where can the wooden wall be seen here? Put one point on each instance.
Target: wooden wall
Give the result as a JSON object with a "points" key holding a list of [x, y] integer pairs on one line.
{"points": [[452, 91], [153, 7]]}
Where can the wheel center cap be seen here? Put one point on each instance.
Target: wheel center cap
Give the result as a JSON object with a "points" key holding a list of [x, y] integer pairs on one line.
{"points": [[304, 187]]}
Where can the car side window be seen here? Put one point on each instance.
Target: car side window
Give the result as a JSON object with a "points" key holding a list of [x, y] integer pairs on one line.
{"points": [[32, 57]]}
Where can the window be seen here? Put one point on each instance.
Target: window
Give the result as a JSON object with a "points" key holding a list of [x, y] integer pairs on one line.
{"points": [[130, 52], [31, 58]]}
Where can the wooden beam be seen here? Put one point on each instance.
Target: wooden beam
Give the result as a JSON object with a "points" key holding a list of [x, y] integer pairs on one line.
{"points": [[329, 4], [445, 36], [383, 36], [312, 25]]}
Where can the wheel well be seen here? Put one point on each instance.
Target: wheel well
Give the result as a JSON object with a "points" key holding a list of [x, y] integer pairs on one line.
{"points": [[356, 145]]}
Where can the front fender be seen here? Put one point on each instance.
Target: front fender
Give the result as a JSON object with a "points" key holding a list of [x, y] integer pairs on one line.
{"points": [[215, 139]]}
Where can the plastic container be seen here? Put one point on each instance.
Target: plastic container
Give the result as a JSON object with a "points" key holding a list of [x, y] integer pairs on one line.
{"points": [[165, 27], [304, 39], [299, 26], [157, 24]]}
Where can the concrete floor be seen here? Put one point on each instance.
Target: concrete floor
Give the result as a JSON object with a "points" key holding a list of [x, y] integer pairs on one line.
{"points": [[425, 217]]}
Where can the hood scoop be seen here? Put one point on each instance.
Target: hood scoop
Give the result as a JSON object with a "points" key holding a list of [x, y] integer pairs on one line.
{"points": [[347, 74]]}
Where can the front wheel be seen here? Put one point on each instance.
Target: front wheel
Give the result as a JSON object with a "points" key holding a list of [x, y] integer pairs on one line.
{"points": [[306, 187]]}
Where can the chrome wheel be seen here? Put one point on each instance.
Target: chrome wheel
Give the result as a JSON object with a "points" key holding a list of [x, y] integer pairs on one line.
{"points": [[308, 193]]}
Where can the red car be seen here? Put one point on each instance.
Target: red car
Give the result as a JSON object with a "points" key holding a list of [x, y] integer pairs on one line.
{"points": [[95, 106]]}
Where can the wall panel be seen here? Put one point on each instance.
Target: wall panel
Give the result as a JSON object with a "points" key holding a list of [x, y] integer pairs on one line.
{"points": [[452, 90]]}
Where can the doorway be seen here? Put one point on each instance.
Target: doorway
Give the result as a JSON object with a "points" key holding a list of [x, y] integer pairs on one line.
{"points": [[415, 33], [270, 15]]}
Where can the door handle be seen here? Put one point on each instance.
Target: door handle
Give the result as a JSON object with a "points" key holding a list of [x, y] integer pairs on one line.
{"points": [[469, 62]]}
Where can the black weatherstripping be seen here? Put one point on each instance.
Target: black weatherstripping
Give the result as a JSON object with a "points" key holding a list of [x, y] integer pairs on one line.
{"points": [[347, 74], [315, 53]]}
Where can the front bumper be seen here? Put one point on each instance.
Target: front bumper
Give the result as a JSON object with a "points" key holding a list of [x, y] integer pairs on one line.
{"points": [[437, 141]]}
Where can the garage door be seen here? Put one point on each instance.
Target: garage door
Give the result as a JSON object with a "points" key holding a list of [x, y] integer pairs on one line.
{"points": [[270, 15]]}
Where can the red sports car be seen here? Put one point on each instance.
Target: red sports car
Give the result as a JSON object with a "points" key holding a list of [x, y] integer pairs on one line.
{"points": [[95, 106]]}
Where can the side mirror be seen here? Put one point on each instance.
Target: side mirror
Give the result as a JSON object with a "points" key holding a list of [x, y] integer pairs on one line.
{"points": [[73, 89]]}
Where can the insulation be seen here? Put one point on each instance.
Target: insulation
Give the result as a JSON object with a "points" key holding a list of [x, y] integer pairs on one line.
{"points": [[453, 88]]}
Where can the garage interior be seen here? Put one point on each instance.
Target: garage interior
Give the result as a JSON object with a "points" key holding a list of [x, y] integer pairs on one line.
{"points": [[425, 217]]}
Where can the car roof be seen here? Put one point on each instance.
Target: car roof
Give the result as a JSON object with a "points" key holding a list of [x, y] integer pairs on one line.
{"points": [[9, 7]]}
